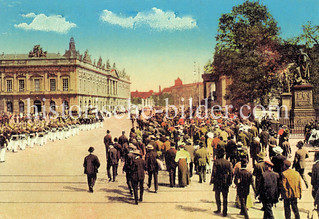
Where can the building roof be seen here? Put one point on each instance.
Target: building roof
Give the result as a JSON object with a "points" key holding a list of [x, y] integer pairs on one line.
{"points": [[143, 95]]}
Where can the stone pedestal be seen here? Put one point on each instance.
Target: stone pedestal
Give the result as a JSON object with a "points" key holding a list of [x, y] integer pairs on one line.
{"points": [[303, 110], [286, 105]]}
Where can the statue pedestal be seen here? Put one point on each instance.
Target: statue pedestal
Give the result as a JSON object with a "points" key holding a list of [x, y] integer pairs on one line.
{"points": [[286, 105], [303, 110]]}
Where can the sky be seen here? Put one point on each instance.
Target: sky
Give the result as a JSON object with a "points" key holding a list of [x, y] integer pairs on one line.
{"points": [[155, 41]]}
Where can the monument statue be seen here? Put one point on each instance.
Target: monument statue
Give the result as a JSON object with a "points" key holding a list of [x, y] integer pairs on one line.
{"points": [[303, 70]]}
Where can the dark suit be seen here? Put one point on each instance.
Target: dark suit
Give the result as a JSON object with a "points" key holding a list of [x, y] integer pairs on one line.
{"points": [[243, 180], [171, 165], [107, 142], [221, 178], [91, 165], [269, 192], [152, 168], [138, 176], [112, 161]]}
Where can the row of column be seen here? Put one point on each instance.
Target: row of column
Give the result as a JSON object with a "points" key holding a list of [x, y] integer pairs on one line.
{"points": [[112, 87]]}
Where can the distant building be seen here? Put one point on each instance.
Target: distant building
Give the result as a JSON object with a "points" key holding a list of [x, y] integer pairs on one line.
{"points": [[142, 99], [178, 94], [50, 80]]}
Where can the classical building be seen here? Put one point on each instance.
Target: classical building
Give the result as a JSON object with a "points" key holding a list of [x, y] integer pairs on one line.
{"points": [[43, 80]]}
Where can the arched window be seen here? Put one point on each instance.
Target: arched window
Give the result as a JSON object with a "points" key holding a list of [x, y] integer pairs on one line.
{"points": [[21, 107], [9, 107]]}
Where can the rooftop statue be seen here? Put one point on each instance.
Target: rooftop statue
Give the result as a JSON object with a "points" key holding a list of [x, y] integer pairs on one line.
{"points": [[37, 52]]}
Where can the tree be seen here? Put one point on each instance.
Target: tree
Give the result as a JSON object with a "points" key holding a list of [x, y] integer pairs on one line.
{"points": [[247, 51]]}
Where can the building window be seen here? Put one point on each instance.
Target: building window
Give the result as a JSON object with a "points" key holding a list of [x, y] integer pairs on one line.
{"points": [[52, 85], [9, 107], [36, 84], [21, 107], [21, 85], [9, 86], [65, 84]]}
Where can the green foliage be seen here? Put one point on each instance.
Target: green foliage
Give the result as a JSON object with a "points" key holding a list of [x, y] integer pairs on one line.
{"points": [[247, 51], [136, 100], [160, 100]]}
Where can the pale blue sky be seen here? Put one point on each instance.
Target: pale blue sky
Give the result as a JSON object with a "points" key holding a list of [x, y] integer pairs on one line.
{"points": [[156, 41]]}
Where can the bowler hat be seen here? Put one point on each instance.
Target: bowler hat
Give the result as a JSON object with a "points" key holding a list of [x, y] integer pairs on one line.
{"points": [[91, 149], [299, 144], [261, 155]]}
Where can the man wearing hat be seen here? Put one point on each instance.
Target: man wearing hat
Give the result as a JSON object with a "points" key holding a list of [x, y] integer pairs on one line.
{"points": [[189, 147], [264, 139], [278, 160], [269, 190], [171, 164], [243, 180], [221, 177], [128, 166], [202, 158], [259, 169], [138, 175], [152, 167], [107, 142], [91, 165], [300, 161], [255, 148], [112, 161], [291, 190]]}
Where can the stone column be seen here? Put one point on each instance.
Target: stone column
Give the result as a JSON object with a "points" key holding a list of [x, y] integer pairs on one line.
{"points": [[205, 91]]}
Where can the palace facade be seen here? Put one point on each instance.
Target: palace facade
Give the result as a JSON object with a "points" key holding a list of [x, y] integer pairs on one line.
{"points": [[49, 80]]}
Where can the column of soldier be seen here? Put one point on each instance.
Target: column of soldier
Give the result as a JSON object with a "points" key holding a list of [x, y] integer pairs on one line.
{"points": [[19, 132], [222, 147]]}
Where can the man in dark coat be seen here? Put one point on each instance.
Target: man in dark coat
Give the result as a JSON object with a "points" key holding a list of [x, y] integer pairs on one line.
{"points": [[221, 178], [152, 167], [107, 142], [231, 150], [91, 165], [278, 160], [112, 161], [269, 190], [300, 161], [128, 166], [171, 164], [259, 169], [138, 176], [243, 180], [255, 148], [123, 139], [264, 138]]}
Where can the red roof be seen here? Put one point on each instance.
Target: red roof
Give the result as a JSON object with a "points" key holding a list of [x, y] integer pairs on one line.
{"points": [[143, 95]]}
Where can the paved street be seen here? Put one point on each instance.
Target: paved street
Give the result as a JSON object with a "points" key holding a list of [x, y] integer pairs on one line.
{"points": [[48, 182]]}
